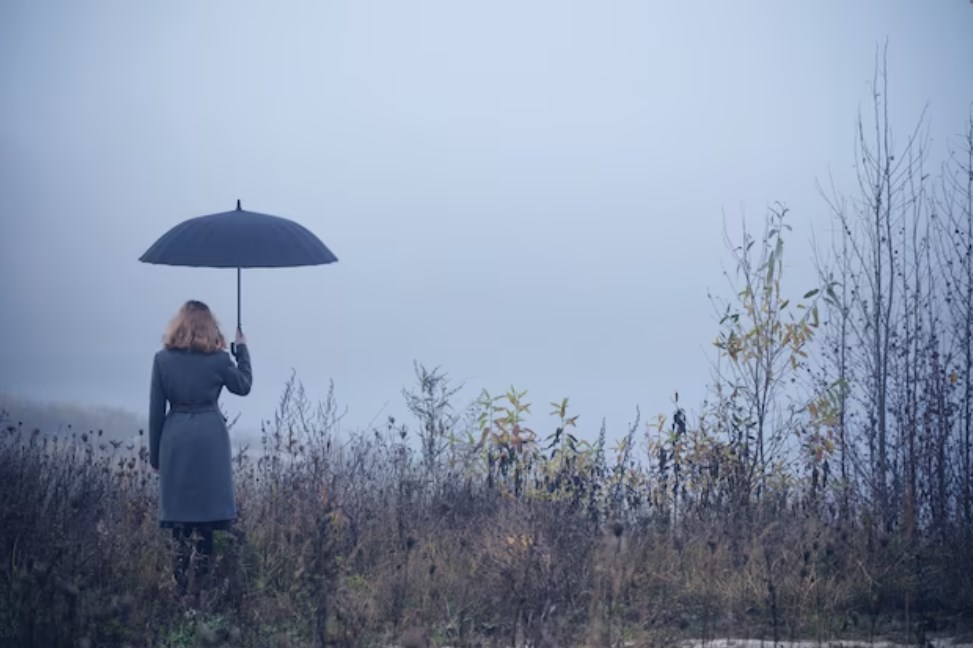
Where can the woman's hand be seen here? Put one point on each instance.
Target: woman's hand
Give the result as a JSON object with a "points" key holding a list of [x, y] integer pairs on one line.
{"points": [[240, 337]]}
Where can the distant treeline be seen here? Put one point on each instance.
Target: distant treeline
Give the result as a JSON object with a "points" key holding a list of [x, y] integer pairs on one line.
{"points": [[64, 419]]}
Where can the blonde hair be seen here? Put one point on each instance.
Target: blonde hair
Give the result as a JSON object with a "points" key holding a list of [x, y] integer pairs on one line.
{"points": [[194, 328]]}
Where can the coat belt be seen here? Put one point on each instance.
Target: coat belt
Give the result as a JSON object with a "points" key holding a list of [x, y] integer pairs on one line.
{"points": [[194, 409]]}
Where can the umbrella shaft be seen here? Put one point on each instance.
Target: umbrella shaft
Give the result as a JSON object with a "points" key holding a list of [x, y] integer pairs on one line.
{"points": [[238, 322]]}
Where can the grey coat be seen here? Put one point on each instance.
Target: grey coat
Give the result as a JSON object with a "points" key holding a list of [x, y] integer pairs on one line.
{"points": [[190, 444]]}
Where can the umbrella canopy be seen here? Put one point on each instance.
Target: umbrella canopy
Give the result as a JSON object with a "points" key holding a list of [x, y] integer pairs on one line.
{"points": [[239, 239]]}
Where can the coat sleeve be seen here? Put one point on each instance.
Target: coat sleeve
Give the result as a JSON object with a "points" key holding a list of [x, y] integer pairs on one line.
{"points": [[238, 377], [157, 413]]}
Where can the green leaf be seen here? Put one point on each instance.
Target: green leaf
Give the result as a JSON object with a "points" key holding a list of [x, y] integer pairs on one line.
{"points": [[810, 293]]}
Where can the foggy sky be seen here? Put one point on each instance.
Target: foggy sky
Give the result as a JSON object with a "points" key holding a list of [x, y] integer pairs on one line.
{"points": [[528, 193]]}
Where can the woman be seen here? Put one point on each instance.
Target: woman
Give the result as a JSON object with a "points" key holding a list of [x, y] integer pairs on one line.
{"points": [[189, 445]]}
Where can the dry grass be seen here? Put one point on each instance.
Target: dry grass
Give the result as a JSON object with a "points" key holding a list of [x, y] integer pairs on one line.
{"points": [[374, 539]]}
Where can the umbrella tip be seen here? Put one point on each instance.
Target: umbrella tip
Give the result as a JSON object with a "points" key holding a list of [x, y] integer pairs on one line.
{"points": [[238, 204]]}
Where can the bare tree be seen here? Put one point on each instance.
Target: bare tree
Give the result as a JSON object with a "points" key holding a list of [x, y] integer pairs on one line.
{"points": [[876, 342], [954, 226]]}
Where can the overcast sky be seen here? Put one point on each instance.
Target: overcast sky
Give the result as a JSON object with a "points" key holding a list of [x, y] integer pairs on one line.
{"points": [[524, 192]]}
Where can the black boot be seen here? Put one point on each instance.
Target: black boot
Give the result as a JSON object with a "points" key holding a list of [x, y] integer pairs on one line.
{"points": [[203, 557], [181, 559]]}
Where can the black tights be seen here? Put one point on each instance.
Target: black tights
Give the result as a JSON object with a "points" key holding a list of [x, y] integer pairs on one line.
{"points": [[190, 540]]}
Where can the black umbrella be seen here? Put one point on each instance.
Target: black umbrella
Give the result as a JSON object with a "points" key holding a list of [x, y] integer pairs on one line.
{"points": [[239, 239]]}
